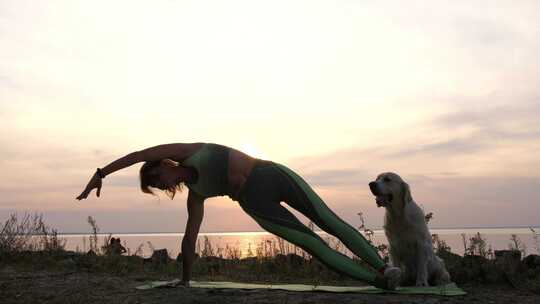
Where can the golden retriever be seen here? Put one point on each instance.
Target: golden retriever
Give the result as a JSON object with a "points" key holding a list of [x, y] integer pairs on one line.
{"points": [[405, 227]]}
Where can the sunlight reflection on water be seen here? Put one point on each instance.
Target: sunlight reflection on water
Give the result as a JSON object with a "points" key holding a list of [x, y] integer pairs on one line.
{"points": [[497, 238]]}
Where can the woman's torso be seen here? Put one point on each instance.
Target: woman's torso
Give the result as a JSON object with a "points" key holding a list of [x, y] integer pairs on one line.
{"points": [[240, 166], [235, 164]]}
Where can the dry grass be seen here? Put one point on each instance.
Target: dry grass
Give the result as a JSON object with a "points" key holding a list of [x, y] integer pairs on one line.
{"points": [[28, 233], [29, 240]]}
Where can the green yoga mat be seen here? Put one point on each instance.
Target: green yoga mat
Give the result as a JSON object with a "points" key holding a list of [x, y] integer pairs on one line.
{"points": [[445, 290]]}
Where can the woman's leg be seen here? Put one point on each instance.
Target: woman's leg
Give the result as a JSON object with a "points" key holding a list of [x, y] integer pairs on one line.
{"points": [[264, 190], [301, 197], [279, 221]]}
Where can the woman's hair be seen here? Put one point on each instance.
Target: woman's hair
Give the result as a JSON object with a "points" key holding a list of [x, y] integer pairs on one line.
{"points": [[149, 177]]}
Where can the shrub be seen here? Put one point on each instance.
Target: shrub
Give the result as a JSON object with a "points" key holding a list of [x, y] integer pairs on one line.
{"points": [[439, 244], [536, 239], [517, 244], [477, 245]]}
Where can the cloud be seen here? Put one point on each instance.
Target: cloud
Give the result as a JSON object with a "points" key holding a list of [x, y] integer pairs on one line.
{"points": [[456, 201], [491, 111], [337, 178], [450, 147], [479, 201], [7, 82], [479, 126], [486, 32]]}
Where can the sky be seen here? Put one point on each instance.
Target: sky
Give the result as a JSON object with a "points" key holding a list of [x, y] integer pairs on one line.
{"points": [[444, 93]]}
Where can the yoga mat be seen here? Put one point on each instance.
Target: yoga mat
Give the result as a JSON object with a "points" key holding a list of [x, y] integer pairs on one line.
{"points": [[444, 290]]}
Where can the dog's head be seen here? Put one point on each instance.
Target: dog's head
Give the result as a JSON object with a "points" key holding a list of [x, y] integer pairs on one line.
{"points": [[390, 191]]}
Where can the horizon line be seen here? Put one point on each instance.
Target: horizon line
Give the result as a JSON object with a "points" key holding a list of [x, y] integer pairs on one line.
{"points": [[316, 230]]}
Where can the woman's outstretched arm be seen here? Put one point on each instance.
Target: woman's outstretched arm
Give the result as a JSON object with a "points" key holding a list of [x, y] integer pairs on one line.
{"points": [[177, 152]]}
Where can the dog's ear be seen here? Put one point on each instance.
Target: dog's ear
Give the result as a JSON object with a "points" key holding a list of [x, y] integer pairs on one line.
{"points": [[406, 191]]}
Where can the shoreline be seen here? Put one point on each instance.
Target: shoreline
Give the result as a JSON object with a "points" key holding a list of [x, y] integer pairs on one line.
{"points": [[376, 231]]}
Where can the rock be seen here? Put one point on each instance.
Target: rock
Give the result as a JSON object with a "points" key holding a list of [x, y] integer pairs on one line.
{"points": [[514, 255], [532, 261], [470, 268], [508, 260], [160, 256], [212, 264], [509, 263], [290, 259]]}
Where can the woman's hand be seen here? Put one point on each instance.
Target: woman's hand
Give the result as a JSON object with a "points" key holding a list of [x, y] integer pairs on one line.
{"points": [[94, 183]]}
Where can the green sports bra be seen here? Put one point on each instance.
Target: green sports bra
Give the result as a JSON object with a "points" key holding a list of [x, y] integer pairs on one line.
{"points": [[211, 162]]}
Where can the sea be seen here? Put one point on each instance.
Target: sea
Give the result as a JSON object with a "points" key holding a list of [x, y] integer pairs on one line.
{"points": [[245, 244]]}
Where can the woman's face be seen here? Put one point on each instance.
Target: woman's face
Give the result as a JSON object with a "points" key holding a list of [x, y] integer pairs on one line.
{"points": [[167, 177]]}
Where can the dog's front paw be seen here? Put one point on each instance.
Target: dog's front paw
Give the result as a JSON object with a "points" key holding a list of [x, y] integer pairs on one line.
{"points": [[393, 277]]}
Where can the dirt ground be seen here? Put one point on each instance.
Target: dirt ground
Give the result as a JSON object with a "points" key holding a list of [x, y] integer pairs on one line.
{"points": [[83, 287]]}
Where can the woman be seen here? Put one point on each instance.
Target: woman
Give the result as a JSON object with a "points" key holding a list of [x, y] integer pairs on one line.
{"points": [[258, 186]]}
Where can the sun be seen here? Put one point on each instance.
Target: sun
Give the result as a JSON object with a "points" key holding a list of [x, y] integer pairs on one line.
{"points": [[252, 150]]}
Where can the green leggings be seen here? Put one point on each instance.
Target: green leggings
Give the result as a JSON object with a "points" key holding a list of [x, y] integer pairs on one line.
{"points": [[269, 184]]}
